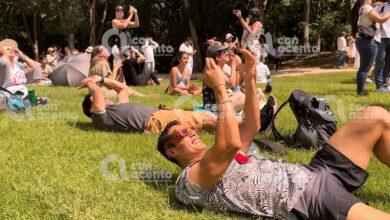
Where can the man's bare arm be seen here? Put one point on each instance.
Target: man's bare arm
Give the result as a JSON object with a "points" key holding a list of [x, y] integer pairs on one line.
{"points": [[251, 122], [216, 160]]}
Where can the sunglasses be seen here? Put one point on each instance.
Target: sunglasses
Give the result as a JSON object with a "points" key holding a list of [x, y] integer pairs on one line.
{"points": [[8, 48], [177, 136]]}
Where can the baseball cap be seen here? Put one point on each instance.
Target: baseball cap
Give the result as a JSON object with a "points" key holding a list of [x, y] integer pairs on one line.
{"points": [[213, 50], [119, 8]]}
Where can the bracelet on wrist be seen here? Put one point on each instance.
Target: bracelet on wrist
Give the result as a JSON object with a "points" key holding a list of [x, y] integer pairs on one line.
{"points": [[221, 84]]}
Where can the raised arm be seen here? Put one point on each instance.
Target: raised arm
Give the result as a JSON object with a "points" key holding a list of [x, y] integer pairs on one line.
{"points": [[120, 88], [378, 18], [123, 25], [135, 24], [254, 28], [216, 160], [251, 121], [31, 63]]}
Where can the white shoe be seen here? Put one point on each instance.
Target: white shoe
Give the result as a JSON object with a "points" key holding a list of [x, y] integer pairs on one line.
{"points": [[369, 80]]}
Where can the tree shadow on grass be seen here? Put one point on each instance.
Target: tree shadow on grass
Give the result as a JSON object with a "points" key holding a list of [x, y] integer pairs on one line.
{"points": [[348, 81]]}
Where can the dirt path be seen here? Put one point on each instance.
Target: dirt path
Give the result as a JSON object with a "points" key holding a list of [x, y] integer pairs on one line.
{"points": [[307, 71]]}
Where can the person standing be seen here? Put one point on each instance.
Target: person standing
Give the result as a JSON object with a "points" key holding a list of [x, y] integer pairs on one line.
{"points": [[383, 58], [148, 49], [187, 48], [351, 51], [252, 31], [123, 25], [365, 43], [341, 47]]}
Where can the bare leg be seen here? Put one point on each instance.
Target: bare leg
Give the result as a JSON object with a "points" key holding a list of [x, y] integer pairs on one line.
{"points": [[238, 100], [368, 133], [361, 211]]}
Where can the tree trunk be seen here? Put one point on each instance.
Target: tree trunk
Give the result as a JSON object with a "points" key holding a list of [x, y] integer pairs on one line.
{"points": [[319, 44], [103, 21], [306, 22], [36, 44], [29, 38], [71, 42], [197, 57], [92, 21]]}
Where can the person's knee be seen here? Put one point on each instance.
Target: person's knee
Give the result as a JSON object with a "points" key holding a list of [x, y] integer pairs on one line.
{"points": [[375, 114]]}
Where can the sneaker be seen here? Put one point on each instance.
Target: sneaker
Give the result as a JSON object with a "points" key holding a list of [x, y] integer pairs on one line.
{"points": [[368, 80], [266, 115], [383, 90], [362, 94]]}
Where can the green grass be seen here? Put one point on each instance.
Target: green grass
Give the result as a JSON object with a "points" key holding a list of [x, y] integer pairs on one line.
{"points": [[50, 167]]}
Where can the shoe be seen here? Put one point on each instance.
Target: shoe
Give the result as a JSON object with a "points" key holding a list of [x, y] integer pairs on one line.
{"points": [[363, 94], [368, 80], [383, 90], [267, 113]]}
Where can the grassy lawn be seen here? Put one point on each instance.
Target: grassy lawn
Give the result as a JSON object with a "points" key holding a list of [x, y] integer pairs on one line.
{"points": [[51, 163]]}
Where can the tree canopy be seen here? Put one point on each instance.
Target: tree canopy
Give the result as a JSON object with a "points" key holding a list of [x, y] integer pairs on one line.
{"points": [[80, 23]]}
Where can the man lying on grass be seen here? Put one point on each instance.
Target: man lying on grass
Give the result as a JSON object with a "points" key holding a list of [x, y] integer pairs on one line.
{"points": [[224, 178], [134, 117]]}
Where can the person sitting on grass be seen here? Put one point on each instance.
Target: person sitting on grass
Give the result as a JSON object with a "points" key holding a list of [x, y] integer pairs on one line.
{"points": [[225, 179], [180, 77], [101, 67], [12, 77], [223, 57], [134, 117], [131, 69], [46, 68]]}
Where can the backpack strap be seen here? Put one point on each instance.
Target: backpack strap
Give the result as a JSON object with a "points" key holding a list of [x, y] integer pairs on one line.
{"points": [[6, 90], [275, 132]]}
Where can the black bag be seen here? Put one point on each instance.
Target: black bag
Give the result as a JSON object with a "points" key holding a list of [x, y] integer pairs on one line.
{"points": [[367, 32], [316, 122]]}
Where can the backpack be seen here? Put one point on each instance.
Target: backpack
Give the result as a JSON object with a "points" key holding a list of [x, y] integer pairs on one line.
{"points": [[316, 121], [16, 102]]}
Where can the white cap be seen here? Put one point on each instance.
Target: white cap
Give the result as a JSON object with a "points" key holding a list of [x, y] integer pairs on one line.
{"points": [[229, 35]]}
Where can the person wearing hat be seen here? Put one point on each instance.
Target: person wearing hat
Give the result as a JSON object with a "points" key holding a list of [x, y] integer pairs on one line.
{"points": [[227, 61], [101, 67], [229, 41], [13, 76], [252, 31], [51, 57], [132, 71], [122, 25]]}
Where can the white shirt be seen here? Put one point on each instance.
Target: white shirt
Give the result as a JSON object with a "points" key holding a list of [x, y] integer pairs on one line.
{"points": [[262, 72], [148, 50], [189, 50], [385, 27], [341, 44]]}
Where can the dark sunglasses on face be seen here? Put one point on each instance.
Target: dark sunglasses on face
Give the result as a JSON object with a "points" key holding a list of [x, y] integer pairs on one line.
{"points": [[178, 136]]}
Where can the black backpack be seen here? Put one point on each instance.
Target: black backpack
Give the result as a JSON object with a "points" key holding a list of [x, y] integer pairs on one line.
{"points": [[316, 121]]}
